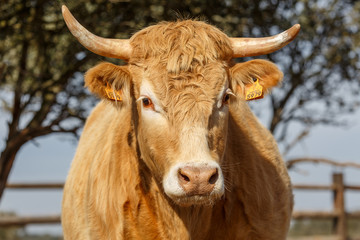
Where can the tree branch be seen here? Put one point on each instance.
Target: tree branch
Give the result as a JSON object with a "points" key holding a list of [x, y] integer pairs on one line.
{"points": [[291, 163]]}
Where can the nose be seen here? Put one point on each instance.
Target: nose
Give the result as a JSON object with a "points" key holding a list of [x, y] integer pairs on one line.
{"points": [[197, 180]]}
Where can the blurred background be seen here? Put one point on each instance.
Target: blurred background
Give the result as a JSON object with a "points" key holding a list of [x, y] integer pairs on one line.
{"points": [[314, 114]]}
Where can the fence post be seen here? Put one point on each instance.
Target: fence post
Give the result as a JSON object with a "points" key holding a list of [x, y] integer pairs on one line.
{"points": [[339, 206]]}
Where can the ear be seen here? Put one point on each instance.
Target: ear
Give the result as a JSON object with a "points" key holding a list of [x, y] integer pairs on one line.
{"points": [[109, 82], [253, 79]]}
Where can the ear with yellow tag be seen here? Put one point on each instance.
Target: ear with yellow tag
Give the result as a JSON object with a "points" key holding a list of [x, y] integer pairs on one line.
{"points": [[254, 79], [253, 91], [109, 82]]}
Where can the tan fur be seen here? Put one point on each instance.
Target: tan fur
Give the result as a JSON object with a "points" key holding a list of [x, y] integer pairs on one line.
{"points": [[114, 189]]}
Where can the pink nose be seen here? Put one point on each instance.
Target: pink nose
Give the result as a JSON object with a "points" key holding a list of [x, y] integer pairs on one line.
{"points": [[197, 180]]}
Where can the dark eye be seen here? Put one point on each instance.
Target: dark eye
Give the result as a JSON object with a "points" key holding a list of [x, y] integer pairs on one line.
{"points": [[147, 103], [226, 98]]}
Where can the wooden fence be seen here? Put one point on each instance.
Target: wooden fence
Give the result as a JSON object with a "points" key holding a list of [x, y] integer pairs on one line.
{"points": [[338, 215], [8, 221]]}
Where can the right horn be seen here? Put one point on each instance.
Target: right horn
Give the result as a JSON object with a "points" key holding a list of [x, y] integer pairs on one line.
{"points": [[248, 47], [113, 48]]}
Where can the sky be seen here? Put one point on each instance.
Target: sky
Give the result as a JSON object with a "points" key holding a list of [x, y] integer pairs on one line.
{"points": [[49, 161]]}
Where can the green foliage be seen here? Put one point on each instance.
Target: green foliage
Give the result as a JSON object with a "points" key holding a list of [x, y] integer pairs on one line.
{"points": [[9, 233], [311, 227], [40, 237], [322, 227], [19, 233], [15, 233]]}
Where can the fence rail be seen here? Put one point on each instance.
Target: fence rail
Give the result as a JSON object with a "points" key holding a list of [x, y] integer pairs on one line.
{"points": [[7, 221], [35, 186], [22, 221]]}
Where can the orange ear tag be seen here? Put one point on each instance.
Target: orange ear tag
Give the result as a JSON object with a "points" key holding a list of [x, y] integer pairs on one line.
{"points": [[112, 94], [255, 91]]}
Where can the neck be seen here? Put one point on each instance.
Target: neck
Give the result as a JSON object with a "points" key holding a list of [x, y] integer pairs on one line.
{"points": [[192, 221]]}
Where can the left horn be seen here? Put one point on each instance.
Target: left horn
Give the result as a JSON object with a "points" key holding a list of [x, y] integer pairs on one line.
{"points": [[112, 48], [248, 47]]}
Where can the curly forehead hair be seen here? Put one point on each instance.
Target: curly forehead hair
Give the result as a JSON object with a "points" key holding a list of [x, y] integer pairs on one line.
{"points": [[181, 45]]}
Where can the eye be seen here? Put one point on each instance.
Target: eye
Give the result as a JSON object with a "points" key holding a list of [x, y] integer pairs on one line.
{"points": [[147, 103], [226, 98], [227, 95]]}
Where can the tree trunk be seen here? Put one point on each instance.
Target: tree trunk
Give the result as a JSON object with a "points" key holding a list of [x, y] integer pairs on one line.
{"points": [[7, 159]]}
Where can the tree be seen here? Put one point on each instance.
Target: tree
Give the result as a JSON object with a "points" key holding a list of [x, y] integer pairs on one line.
{"points": [[321, 83], [41, 64]]}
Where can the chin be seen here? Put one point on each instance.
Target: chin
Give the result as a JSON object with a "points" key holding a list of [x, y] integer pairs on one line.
{"points": [[196, 200]]}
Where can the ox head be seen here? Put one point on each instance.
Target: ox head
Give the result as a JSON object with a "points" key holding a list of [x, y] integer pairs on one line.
{"points": [[178, 83]]}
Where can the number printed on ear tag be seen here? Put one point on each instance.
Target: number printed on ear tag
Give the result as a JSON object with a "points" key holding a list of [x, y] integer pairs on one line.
{"points": [[255, 91], [112, 94]]}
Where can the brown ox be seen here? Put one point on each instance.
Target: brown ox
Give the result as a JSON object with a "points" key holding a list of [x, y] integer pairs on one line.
{"points": [[173, 151]]}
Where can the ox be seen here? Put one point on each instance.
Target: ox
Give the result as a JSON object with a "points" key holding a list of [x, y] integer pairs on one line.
{"points": [[173, 151]]}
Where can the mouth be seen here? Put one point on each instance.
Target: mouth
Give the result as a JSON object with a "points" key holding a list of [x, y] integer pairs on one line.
{"points": [[191, 200]]}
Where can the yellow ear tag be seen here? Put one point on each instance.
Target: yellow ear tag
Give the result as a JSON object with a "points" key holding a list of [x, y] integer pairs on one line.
{"points": [[255, 91], [112, 94]]}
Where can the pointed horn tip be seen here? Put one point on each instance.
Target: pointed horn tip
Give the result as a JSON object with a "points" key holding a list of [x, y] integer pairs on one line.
{"points": [[294, 31], [296, 28], [64, 9]]}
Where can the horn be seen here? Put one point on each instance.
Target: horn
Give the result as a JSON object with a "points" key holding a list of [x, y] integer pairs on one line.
{"points": [[248, 47], [113, 48]]}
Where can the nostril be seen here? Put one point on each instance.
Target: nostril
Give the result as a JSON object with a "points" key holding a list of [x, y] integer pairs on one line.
{"points": [[183, 177], [214, 177], [197, 180]]}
